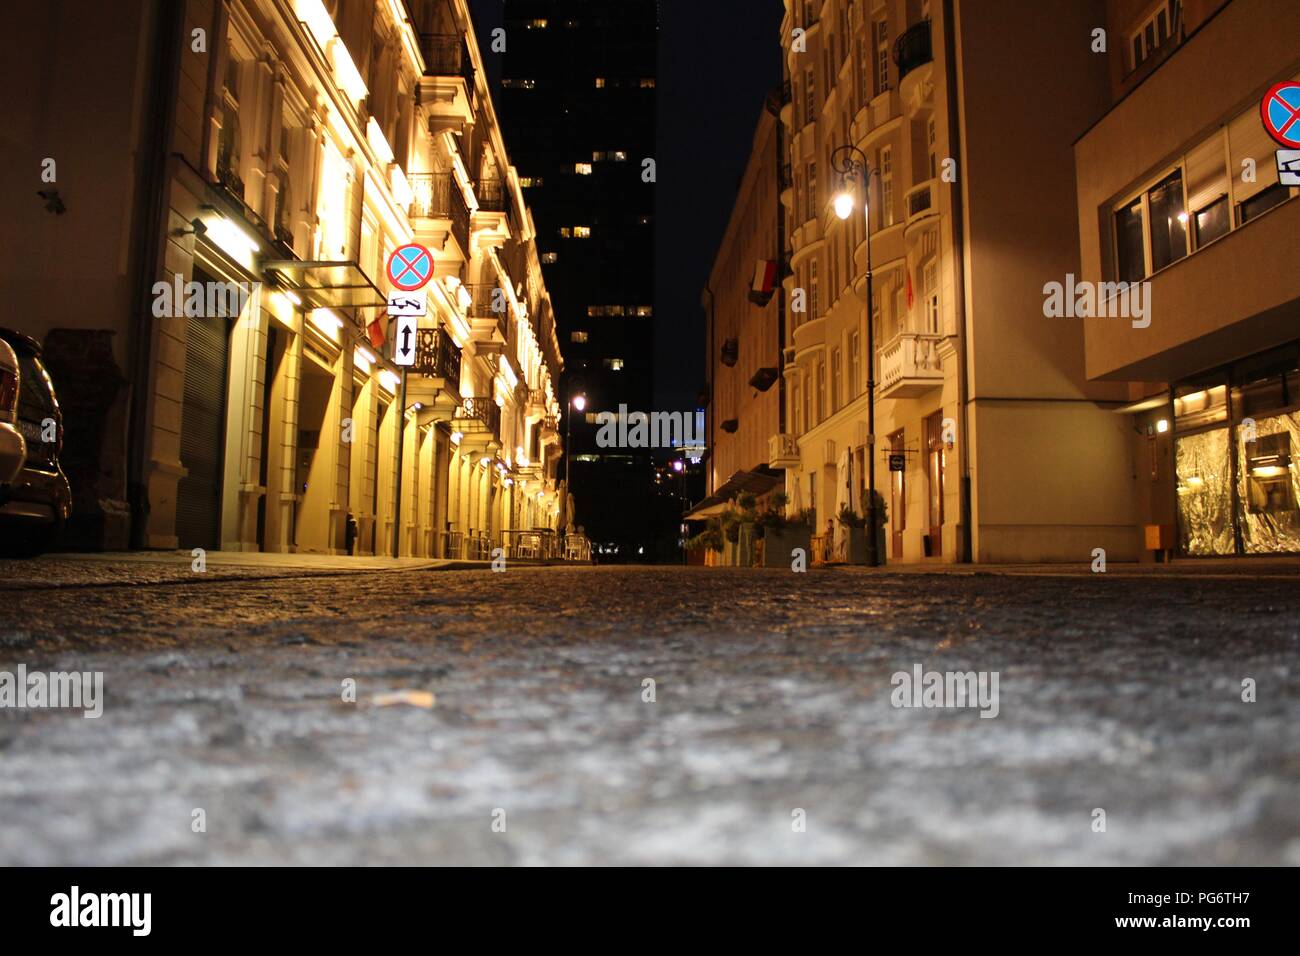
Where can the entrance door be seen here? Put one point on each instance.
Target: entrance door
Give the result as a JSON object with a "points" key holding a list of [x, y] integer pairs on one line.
{"points": [[897, 498], [936, 456], [203, 429]]}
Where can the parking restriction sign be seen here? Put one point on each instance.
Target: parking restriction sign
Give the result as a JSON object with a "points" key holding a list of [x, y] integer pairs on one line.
{"points": [[1280, 112], [410, 267]]}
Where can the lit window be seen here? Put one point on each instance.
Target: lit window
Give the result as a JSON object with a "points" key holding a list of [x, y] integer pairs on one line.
{"points": [[647, 82], [614, 364], [618, 156], [512, 83], [597, 156], [549, 257], [644, 311], [525, 181], [566, 232], [600, 82], [578, 337], [582, 232], [591, 420], [538, 24], [582, 169]]}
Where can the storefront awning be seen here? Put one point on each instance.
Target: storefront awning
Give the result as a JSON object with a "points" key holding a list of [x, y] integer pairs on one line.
{"points": [[328, 285], [759, 481]]}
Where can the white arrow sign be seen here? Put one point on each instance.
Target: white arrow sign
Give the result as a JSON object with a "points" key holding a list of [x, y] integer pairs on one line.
{"points": [[408, 303], [404, 340]]}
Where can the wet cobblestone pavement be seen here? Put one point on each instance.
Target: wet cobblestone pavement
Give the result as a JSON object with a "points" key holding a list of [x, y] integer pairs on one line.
{"points": [[772, 695]]}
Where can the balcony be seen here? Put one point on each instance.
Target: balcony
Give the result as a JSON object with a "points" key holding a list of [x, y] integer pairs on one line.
{"points": [[460, 220], [782, 451], [479, 417], [912, 49], [438, 357], [919, 201], [489, 311], [432, 195], [910, 365], [491, 195], [447, 87]]}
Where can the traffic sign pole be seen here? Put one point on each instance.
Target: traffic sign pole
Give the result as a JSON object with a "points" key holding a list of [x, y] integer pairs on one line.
{"points": [[401, 445]]}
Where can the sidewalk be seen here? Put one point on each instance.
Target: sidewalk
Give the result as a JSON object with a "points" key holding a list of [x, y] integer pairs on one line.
{"points": [[1260, 567], [117, 568]]}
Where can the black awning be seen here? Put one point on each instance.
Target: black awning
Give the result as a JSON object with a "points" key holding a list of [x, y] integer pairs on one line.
{"points": [[757, 482], [329, 285]]}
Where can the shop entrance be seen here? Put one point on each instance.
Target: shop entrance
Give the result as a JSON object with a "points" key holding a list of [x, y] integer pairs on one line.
{"points": [[203, 426], [1236, 432], [312, 471]]}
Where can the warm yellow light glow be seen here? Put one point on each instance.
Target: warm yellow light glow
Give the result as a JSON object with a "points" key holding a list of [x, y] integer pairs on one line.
{"points": [[231, 238], [1162, 426], [580, 402], [328, 321], [292, 296], [363, 358], [456, 437], [844, 205], [317, 18], [389, 381], [378, 142]]}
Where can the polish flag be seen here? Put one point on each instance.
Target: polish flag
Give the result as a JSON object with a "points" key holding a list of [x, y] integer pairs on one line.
{"points": [[764, 282]]}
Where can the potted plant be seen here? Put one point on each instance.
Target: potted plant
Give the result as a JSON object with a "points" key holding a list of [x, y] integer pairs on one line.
{"points": [[782, 535], [855, 535]]}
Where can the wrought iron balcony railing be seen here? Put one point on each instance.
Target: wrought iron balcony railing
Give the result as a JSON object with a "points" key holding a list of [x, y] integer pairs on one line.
{"points": [[459, 218], [437, 356], [479, 413], [445, 54], [912, 49], [432, 192], [491, 195]]}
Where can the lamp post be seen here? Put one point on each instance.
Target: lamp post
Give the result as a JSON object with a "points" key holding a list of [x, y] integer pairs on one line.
{"points": [[576, 403], [851, 163]]}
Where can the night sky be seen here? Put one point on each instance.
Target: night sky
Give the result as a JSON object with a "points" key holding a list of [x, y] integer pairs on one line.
{"points": [[718, 59]]}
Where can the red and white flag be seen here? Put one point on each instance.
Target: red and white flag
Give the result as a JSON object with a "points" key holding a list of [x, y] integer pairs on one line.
{"points": [[764, 282]]}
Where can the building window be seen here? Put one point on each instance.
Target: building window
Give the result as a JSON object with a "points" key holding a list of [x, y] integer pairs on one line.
{"points": [[930, 144], [600, 82], [582, 169], [885, 166], [578, 337], [810, 191], [836, 378], [880, 31], [647, 82], [581, 232], [550, 257], [796, 409], [930, 293], [1154, 32], [813, 306], [855, 364], [1151, 229], [821, 391], [514, 83], [809, 95], [645, 311], [614, 364], [619, 156]]}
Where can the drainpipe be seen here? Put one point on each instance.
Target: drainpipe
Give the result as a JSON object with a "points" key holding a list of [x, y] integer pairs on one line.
{"points": [[708, 371], [148, 235], [959, 256]]}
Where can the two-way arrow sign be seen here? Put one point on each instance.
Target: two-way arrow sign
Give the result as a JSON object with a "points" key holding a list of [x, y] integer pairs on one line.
{"points": [[404, 340]]}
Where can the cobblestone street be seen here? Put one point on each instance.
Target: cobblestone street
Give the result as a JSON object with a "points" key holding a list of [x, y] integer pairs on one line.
{"points": [[225, 693]]}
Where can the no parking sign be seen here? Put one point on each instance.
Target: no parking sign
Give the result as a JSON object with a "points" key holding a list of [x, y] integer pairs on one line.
{"points": [[410, 267], [1280, 113]]}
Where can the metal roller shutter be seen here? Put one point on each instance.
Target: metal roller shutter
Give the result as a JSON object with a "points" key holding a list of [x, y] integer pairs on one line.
{"points": [[203, 423]]}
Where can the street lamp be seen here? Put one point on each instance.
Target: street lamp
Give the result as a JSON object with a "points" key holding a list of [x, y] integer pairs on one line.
{"points": [[851, 163], [576, 403]]}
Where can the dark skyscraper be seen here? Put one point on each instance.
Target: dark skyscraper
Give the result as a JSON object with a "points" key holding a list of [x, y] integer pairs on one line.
{"points": [[577, 105]]}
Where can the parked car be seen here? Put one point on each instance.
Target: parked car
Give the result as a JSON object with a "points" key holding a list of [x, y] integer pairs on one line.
{"points": [[13, 450], [37, 501]]}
